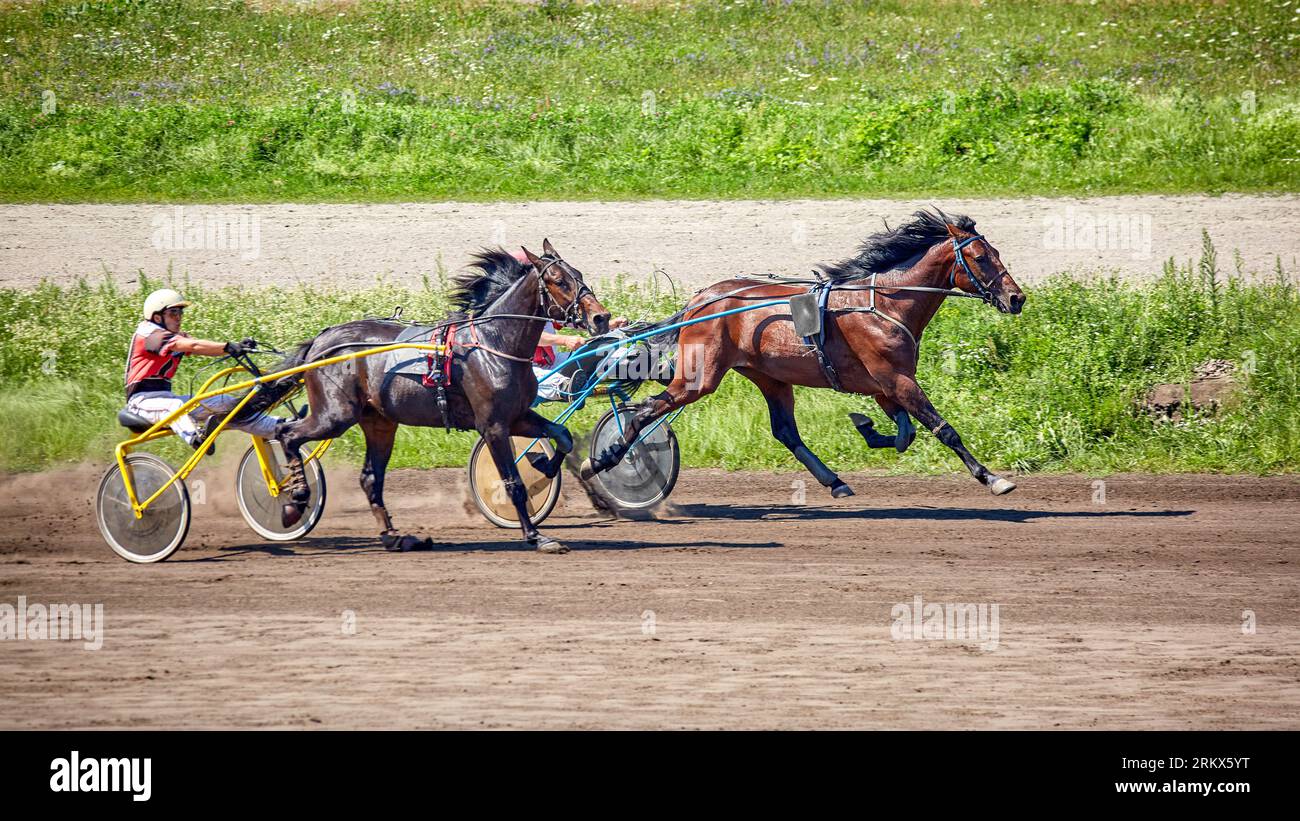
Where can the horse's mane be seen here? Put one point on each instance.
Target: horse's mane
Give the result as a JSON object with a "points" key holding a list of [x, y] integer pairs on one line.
{"points": [[885, 250], [491, 274]]}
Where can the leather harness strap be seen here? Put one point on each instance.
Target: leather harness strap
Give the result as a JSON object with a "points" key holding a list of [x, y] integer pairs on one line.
{"points": [[817, 343], [823, 287]]}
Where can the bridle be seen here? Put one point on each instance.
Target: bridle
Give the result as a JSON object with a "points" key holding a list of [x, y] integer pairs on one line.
{"points": [[985, 291], [571, 315]]}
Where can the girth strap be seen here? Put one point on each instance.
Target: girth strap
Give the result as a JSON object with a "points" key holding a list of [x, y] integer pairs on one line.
{"points": [[439, 376], [817, 343]]}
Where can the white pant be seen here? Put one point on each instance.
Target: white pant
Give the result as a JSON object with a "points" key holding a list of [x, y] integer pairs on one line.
{"points": [[550, 389], [155, 405]]}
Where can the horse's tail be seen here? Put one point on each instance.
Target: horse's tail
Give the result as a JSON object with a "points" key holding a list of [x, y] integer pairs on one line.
{"points": [[273, 392]]}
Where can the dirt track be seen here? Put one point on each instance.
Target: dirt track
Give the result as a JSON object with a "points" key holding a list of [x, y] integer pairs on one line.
{"points": [[765, 613], [697, 242]]}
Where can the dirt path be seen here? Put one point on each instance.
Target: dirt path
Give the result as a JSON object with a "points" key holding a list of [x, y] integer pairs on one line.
{"points": [[740, 609], [697, 242]]}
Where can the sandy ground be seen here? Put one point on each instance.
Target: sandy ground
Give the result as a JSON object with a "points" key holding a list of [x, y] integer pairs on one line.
{"points": [[696, 242], [737, 609]]}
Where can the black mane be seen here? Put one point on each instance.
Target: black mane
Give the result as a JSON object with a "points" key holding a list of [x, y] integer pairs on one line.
{"points": [[887, 249], [492, 273]]}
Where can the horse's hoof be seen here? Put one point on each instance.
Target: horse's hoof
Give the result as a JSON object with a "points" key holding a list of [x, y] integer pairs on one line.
{"points": [[546, 545], [290, 514], [839, 490], [862, 422], [1000, 486], [587, 471], [404, 544]]}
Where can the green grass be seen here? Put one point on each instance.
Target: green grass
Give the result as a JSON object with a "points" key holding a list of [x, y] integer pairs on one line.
{"points": [[1053, 389], [200, 100]]}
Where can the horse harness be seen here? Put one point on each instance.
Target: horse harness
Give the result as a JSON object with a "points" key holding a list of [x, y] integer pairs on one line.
{"points": [[808, 310], [438, 377]]}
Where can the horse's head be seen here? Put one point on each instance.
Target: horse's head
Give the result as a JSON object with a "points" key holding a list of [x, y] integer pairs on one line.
{"points": [[565, 296], [978, 269]]}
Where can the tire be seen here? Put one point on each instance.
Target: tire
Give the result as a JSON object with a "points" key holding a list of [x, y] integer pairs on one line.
{"points": [[489, 494], [165, 523], [647, 474], [262, 511]]}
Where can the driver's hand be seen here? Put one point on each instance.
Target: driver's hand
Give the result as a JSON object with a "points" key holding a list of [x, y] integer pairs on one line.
{"points": [[235, 348], [572, 342], [248, 343], [617, 322]]}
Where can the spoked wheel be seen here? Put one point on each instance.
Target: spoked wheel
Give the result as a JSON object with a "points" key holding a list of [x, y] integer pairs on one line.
{"points": [[262, 510], [165, 522], [647, 473], [489, 491]]}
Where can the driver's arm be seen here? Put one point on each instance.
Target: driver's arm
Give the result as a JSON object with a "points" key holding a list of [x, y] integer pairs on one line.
{"points": [[202, 347], [567, 341]]}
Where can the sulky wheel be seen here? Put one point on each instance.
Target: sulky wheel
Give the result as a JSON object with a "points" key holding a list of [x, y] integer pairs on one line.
{"points": [[489, 493], [166, 521], [647, 473], [262, 510]]}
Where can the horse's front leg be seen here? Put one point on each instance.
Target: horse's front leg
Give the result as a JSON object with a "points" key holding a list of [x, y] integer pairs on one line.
{"points": [[533, 424], [903, 389], [900, 441], [497, 436]]}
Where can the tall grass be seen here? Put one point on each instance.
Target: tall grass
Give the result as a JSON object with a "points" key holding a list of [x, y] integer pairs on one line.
{"points": [[203, 100], [1053, 389]]}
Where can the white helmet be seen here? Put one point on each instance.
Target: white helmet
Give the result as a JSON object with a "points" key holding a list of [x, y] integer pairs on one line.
{"points": [[161, 300]]}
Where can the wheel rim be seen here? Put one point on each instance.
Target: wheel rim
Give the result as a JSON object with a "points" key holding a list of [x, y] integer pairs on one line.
{"points": [[646, 475], [162, 528], [489, 492], [262, 510]]}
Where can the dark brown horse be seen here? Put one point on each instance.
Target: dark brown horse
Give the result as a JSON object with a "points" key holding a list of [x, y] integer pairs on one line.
{"points": [[877, 309], [492, 384]]}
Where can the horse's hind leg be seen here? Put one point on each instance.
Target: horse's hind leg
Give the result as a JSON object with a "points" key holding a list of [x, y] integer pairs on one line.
{"points": [[780, 408], [292, 436], [700, 370], [379, 432], [906, 430]]}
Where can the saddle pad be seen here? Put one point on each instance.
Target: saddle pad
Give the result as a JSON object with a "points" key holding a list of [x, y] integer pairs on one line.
{"points": [[806, 311], [409, 361]]}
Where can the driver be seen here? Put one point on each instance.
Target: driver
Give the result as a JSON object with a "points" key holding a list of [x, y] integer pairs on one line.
{"points": [[552, 349], [152, 359]]}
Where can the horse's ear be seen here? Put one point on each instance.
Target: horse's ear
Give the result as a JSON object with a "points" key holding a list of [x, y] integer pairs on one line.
{"points": [[533, 258], [952, 229], [549, 249]]}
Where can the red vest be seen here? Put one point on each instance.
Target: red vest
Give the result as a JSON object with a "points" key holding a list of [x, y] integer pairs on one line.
{"points": [[544, 356], [150, 361]]}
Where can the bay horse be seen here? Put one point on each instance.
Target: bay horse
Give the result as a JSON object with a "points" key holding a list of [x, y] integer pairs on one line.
{"points": [[491, 387], [872, 336]]}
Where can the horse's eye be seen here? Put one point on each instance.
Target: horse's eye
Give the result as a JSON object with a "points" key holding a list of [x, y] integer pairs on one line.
{"points": [[979, 258]]}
